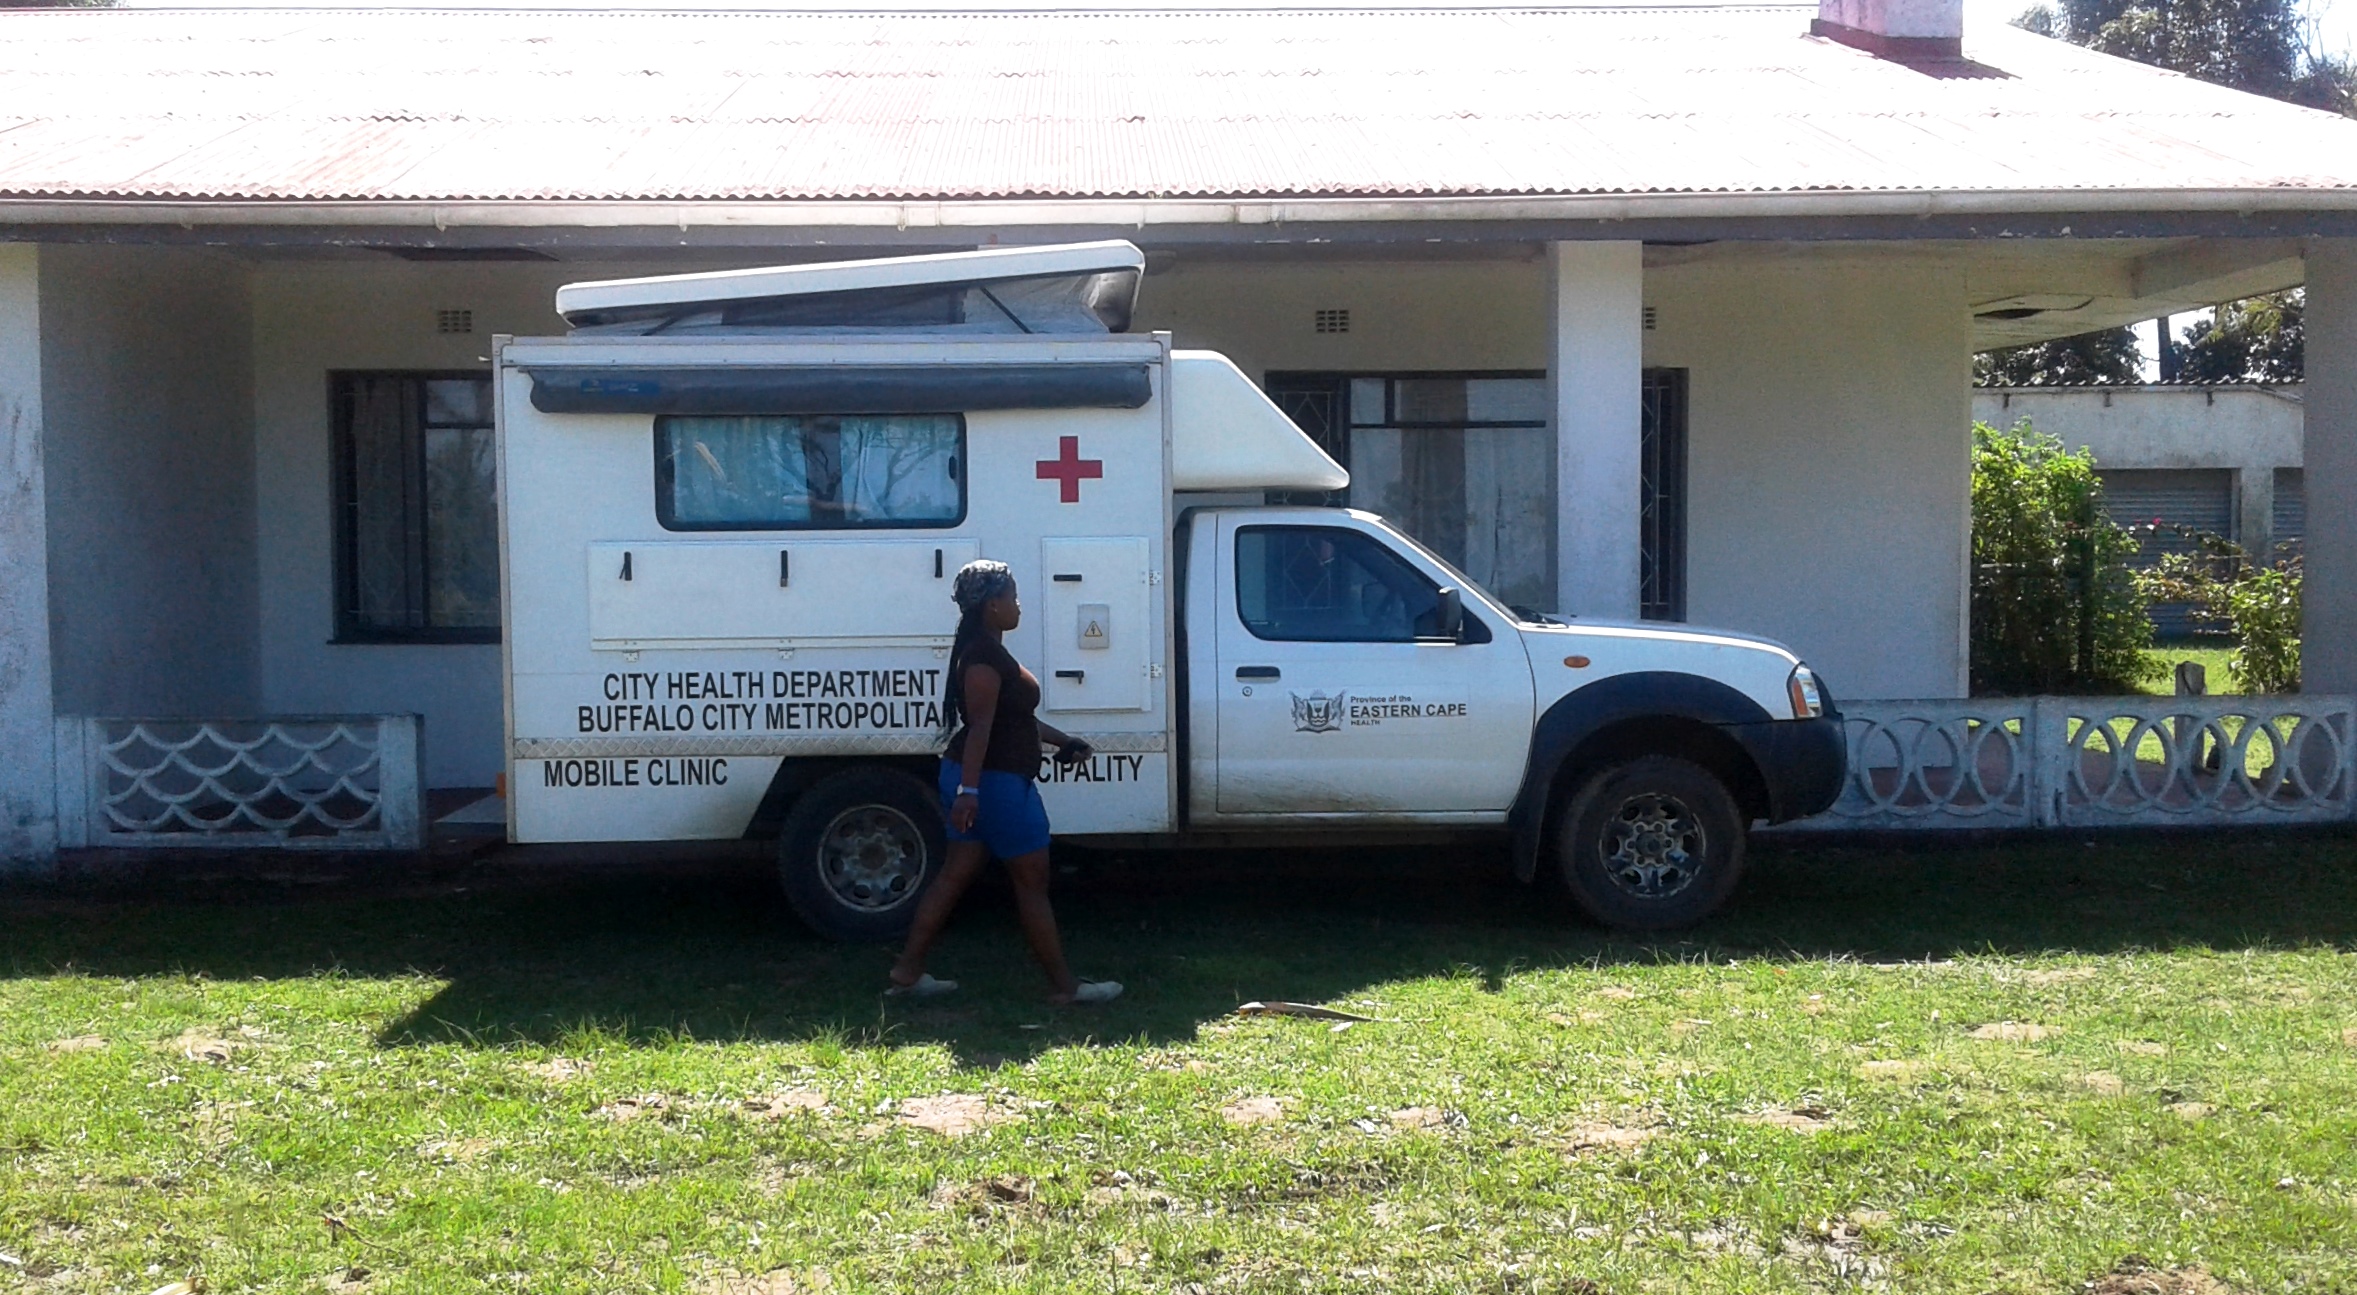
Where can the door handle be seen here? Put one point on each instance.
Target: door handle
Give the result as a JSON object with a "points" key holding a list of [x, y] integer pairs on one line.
{"points": [[1258, 672], [1076, 676]]}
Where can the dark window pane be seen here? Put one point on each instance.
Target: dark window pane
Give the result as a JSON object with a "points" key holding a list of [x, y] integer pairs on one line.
{"points": [[462, 529], [1329, 585], [458, 402], [809, 472], [419, 535]]}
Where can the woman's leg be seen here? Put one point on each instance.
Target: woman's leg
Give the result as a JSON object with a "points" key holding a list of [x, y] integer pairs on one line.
{"points": [[959, 865], [1029, 872]]}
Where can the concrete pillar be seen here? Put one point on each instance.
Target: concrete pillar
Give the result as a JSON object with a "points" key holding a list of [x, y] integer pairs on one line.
{"points": [[2328, 634], [28, 742], [1595, 366]]}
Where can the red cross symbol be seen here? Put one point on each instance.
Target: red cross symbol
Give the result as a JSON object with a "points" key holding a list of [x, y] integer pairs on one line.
{"points": [[1067, 469]]}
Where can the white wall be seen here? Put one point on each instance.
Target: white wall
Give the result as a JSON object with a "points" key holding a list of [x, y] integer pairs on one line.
{"points": [[146, 375], [1404, 315], [28, 772], [1829, 458]]}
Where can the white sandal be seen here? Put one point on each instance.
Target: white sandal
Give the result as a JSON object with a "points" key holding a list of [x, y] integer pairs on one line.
{"points": [[1090, 992], [926, 985]]}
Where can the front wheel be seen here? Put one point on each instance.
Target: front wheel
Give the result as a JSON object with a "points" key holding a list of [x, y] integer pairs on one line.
{"points": [[857, 850], [1651, 844]]}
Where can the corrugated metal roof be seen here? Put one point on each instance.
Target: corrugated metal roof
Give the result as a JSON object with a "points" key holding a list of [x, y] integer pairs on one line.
{"points": [[519, 105]]}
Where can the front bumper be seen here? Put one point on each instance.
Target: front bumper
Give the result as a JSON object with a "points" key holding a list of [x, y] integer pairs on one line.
{"points": [[1802, 762]]}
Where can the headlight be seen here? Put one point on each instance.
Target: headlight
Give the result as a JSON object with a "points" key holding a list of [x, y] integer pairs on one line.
{"points": [[1807, 702]]}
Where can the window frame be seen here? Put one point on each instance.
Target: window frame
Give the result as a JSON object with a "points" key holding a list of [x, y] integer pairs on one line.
{"points": [[960, 471], [349, 629]]}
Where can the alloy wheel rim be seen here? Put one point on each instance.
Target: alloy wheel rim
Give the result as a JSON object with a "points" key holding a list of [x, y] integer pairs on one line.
{"points": [[1653, 846], [872, 857]]}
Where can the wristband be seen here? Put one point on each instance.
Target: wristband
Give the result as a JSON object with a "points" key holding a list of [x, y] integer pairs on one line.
{"points": [[975, 792]]}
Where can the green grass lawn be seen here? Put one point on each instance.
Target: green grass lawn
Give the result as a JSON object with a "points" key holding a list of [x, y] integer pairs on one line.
{"points": [[2211, 656], [1982, 1071]]}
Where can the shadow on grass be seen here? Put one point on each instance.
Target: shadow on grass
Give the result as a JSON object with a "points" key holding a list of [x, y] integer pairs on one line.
{"points": [[713, 954]]}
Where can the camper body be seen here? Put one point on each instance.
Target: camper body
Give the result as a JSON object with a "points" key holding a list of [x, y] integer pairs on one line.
{"points": [[728, 556]]}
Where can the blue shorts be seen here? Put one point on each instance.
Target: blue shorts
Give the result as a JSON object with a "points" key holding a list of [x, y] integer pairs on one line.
{"points": [[1013, 821]]}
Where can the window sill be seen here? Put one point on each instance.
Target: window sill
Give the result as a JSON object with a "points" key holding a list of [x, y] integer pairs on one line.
{"points": [[419, 638]]}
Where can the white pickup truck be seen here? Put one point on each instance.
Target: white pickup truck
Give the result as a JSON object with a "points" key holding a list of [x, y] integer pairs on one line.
{"points": [[731, 505]]}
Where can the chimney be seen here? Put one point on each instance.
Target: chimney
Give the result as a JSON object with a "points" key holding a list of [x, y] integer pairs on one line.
{"points": [[1900, 29]]}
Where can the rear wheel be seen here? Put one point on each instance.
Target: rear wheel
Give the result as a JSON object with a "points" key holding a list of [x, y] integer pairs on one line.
{"points": [[856, 851], [1651, 844]]}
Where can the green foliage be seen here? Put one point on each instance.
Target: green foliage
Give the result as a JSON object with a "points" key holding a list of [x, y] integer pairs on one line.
{"points": [[2054, 606], [2256, 340], [2110, 355], [2258, 603], [2263, 46]]}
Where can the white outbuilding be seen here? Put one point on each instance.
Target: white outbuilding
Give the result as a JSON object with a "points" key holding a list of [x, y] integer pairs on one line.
{"points": [[1662, 311]]}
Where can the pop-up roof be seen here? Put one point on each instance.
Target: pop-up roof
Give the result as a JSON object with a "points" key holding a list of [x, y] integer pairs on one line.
{"points": [[1070, 288]]}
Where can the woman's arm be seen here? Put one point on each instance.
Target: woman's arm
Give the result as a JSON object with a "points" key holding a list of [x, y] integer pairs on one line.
{"points": [[1050, 735], [981, 709], [1069, 749]]}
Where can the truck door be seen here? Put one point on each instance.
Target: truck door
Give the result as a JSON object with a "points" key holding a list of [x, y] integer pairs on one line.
{"points": [[1337, 693]]}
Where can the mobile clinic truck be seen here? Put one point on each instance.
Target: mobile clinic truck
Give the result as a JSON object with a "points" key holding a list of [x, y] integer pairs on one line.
{"points": [[732, 506]]}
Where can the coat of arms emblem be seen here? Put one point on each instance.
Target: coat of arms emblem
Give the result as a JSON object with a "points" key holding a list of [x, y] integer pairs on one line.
{"points": [[1317, 713]]}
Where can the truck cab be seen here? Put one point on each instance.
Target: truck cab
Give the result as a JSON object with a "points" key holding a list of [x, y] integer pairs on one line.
{"points": [[732, 506]]}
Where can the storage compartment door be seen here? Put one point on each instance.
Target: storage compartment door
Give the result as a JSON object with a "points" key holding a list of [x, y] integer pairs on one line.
{"points": [[762, 593], [1097, 609]]}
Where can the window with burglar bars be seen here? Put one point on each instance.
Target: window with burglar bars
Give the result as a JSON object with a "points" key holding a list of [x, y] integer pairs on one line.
{"points": [[417, 531], [1661, 517]]}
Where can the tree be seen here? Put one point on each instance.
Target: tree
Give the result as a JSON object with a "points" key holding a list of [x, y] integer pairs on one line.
{"points": [[2255, 340], [2111, 355], [2054, 606], [2263, 46]]}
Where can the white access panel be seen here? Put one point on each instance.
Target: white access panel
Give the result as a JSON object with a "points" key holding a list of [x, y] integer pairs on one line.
{"points": [[755, 593], [1100, 635]]}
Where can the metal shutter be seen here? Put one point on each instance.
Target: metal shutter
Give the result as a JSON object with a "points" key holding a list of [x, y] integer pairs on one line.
{"points": [[2290, 520], [2202, 498]]}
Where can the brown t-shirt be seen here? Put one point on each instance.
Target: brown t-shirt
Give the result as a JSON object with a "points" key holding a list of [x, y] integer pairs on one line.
{"points": [[1014, 728]]}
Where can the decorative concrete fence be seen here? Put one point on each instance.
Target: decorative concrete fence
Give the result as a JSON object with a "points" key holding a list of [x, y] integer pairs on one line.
{"points": [[2081, 762], [333, 782]]}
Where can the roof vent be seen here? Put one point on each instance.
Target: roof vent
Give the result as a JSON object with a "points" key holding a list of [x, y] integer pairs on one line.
{"points": [[1333, 321], [454, 321], [1899, 29]]}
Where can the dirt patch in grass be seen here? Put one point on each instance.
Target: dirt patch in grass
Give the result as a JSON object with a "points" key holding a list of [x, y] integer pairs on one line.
{"points": [[2136, 1275], [2014, 1032], [624, 1109], [557, 1070], [1623, 1136], [954, 1115], [2103, 1083], [198, 1045], [1247, 1111], [79, 1043], [777, 1106], [1800, 1119], [988, 1195], [1890, 1068]]}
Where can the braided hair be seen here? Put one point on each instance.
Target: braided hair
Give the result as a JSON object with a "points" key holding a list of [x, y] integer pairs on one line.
{"points": [[977, 583]]}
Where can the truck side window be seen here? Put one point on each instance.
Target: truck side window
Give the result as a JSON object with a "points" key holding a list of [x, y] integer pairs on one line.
{"points": [[793, 472], [1327, 584]]}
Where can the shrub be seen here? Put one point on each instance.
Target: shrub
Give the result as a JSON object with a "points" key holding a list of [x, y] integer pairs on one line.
{"points": [[2054, 606], [2258, 603]]}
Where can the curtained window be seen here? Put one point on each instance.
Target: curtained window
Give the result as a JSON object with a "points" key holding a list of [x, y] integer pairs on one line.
{"points": [[417, 528], [792, 472]]}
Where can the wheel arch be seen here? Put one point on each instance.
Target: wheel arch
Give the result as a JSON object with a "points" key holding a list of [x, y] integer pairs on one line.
{"points": [[798, 774], [1653, 712]]}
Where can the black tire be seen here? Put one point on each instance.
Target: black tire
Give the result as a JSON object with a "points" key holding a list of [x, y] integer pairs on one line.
{"points": [[856, 851], [1651, 844]]}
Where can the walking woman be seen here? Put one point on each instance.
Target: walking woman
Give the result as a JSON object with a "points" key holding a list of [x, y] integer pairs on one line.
{"points": [[989, 792]]}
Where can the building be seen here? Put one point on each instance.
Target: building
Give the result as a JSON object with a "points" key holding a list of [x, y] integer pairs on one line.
{"points": [[1636, 310], [2221, 458]]}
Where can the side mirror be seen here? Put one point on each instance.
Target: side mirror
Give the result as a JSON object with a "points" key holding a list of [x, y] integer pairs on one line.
{"points": [[1451, 613]]}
